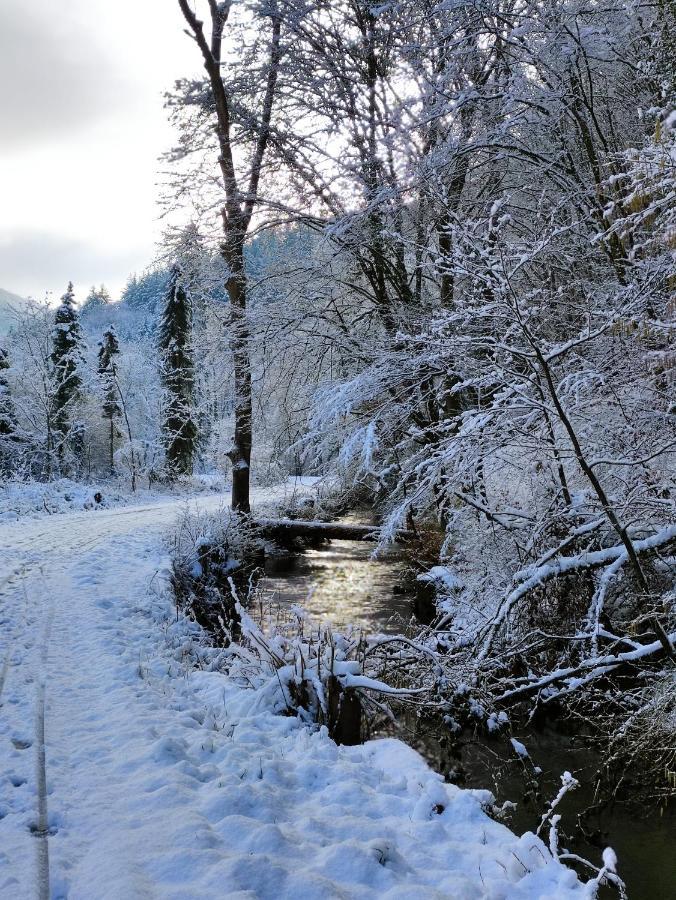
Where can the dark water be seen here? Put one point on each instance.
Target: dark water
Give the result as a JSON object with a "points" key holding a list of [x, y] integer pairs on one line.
{"points": [[643, 838], [342, 584]]}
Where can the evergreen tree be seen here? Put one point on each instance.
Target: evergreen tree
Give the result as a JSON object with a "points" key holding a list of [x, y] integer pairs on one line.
{"points": [[66, 358], [10, 437], [146, 292], [178, 374], [97, 299], [109, 349]]}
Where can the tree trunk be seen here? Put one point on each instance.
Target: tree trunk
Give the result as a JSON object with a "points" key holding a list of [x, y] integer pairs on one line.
{"points": [[237, 212], [240, 452]]}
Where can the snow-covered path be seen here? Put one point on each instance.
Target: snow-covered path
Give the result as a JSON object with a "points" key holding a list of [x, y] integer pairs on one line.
{"points": [[63, 658], [158, 781]]}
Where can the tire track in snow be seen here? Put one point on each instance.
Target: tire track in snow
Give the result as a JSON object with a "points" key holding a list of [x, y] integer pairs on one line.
{"points": [[5, 669], [42, 827]]}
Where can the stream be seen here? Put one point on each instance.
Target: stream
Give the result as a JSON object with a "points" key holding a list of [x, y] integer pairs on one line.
{"points": [[644, 840], [342, 584]]}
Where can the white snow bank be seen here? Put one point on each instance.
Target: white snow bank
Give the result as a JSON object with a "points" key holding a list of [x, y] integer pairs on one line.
{"points": [[34, 499], [369, 821]]}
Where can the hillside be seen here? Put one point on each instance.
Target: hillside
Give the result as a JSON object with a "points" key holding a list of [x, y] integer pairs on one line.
{"points": [[8, 302]]}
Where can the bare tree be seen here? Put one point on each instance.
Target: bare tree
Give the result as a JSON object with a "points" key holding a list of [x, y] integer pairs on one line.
{"points": [[240, 184]]}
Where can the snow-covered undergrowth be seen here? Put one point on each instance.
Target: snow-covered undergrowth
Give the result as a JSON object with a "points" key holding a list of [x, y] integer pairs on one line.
{"points": [[213, 556], [37, 498]]}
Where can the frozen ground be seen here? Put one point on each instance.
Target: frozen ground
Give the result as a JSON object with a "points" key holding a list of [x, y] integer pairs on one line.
{"points": [[126, 773]]}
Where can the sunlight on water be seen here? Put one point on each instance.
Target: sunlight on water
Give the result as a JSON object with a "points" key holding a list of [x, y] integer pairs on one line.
{"points": [[343, 585]]}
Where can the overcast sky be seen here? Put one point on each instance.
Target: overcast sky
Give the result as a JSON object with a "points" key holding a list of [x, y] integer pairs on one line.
{"points": [[82, 126]]}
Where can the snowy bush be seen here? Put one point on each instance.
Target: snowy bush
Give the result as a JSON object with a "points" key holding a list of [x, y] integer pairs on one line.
{"points": [[214, 557], [325, 677]]}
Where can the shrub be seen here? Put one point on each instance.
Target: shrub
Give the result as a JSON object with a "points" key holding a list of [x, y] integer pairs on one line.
{"points": [[216, 559]]}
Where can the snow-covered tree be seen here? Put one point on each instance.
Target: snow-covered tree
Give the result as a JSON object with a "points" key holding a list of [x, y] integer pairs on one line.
{"points": [[67, 358], [109, 349], [97, 300], [10, 434], [178, 375]]}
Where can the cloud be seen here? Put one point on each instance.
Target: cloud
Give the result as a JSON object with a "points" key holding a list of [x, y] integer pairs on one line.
{"points": [[34, 262], [56, 76], [82, 127]]}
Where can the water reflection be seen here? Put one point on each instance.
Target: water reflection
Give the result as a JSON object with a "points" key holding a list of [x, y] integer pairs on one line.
{"points": [[341, 584]]}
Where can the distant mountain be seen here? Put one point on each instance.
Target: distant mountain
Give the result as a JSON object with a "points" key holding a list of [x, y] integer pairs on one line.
{"points": [[8, 302]]}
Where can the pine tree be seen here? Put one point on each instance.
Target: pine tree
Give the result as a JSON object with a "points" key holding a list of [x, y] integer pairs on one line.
{"points": [[178, 374], [10, 437], [97, 299], [66, 358], [109, 349]]}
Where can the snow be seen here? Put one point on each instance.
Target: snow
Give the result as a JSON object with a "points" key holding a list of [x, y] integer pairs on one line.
{"points": [[442, 577], [166, 778], [350, 680], [610, 859], [34, 498], [19, 499], [519, 749], [496, 721]]}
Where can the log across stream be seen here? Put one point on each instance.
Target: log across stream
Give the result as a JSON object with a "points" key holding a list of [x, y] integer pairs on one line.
{"points": [[285, 530]]}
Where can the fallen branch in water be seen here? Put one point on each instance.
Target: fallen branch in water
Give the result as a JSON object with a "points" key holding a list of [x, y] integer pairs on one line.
{"points": [[592, 668]]}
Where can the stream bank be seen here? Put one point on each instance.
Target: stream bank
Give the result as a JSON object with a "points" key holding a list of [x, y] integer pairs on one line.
{"points": [[342, 583]]}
